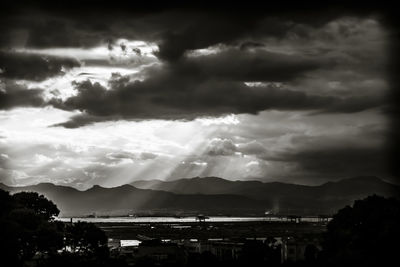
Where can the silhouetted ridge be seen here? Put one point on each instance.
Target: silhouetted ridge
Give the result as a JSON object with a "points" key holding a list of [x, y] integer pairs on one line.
{"points": [[213, 195]]}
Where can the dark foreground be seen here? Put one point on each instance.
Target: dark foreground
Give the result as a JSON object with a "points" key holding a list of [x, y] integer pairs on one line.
{"points": [[365, 234], [232, 243]]}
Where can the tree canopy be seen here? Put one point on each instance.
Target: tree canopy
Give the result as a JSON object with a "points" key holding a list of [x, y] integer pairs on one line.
{"points": [[37, 203], [28, 229], [366, 234]]}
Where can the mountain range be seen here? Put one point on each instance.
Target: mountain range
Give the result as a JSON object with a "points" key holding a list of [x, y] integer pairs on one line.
{"points": [[211, 195]]}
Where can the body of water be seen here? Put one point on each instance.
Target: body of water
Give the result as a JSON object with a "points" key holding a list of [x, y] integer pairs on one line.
{"points": [[180, 220]]}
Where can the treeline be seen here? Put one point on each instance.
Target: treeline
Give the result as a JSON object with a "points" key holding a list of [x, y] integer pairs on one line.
{"points": [[29, 235], [365, 234]]}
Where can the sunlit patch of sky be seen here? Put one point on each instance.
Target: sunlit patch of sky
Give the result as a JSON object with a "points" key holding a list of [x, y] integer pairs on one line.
{"points": [[111, 153], [122, 51], [97, 65]]}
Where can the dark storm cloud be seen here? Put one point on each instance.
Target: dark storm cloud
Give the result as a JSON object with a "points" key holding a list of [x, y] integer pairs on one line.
{"points": [[251, 44], [34, 28], [187, 91], [258, 65], [58, 34], [358, 152], [207, 30], [180, 32], [33, 67], [354, 104], [183, 87], [14, 95], [175, 30], [341, 160]]}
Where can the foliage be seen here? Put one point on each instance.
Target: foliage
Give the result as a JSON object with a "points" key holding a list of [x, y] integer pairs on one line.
{"points": [[28, 230], [83, 237], [37, 203], [366, 234], [27, 227]]}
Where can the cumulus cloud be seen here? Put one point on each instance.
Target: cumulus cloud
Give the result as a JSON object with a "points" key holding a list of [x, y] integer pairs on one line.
{"points": [[221, 147]]}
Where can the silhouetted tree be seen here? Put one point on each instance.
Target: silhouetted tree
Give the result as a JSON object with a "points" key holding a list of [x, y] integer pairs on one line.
{"points": [[38, 203], [86, 238], [6, 203], [27, 227], [366, 234]]}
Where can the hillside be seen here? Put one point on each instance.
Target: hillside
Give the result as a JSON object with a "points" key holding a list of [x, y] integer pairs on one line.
{"points": [[212, 195], [128, 199]]}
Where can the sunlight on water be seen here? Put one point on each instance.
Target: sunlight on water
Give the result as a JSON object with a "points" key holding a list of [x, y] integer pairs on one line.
{"points": [[180, 220]]}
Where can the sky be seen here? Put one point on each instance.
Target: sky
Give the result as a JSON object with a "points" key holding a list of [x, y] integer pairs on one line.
{"points": [[110, 97]]}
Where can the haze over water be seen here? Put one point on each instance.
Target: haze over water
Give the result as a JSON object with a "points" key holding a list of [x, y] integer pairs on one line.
{"points": [[180, 220]]}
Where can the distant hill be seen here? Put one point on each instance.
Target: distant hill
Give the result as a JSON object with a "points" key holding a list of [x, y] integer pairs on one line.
{"points": [[256, 189], [128, 199], [212, 195], [283, 197]]}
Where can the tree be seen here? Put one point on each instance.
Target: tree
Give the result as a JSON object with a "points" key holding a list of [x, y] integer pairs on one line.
{"points": [[38, 203], [86, 238], [366, 234], [9, 247], [28, 228], [6, 203]]}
